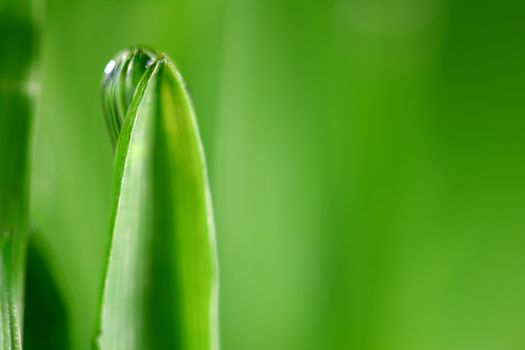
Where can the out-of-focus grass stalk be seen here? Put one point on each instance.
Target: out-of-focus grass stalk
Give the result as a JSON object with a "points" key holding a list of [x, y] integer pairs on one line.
{"points": [[160, 289], [17, 44]]}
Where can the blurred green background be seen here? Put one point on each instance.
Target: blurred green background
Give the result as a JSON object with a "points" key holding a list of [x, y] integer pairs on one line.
{"points": [[366, 161]]}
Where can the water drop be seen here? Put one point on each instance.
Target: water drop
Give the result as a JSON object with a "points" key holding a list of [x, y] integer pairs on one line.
{"points": [[121, 77]]}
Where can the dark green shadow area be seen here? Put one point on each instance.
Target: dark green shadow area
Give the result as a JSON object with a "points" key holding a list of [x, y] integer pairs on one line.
{"points": [[46, 317]]}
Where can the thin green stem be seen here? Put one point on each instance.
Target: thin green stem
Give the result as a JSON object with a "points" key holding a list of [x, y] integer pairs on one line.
{"points": [[17, 39]]}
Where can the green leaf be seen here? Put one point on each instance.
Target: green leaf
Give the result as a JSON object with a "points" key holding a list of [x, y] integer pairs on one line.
{"points": [[17, 40], [160, 289]]}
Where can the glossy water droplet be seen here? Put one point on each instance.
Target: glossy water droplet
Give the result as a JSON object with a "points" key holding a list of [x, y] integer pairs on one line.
{"points": [[121, 77]]}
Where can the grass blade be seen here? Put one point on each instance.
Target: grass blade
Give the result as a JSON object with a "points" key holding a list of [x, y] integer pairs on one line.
{"points": [[17, 39], [160, 286]]}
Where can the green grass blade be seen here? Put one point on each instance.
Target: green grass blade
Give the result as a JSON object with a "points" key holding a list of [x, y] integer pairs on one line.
{"points": [[17, 40], [160, 286]]}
